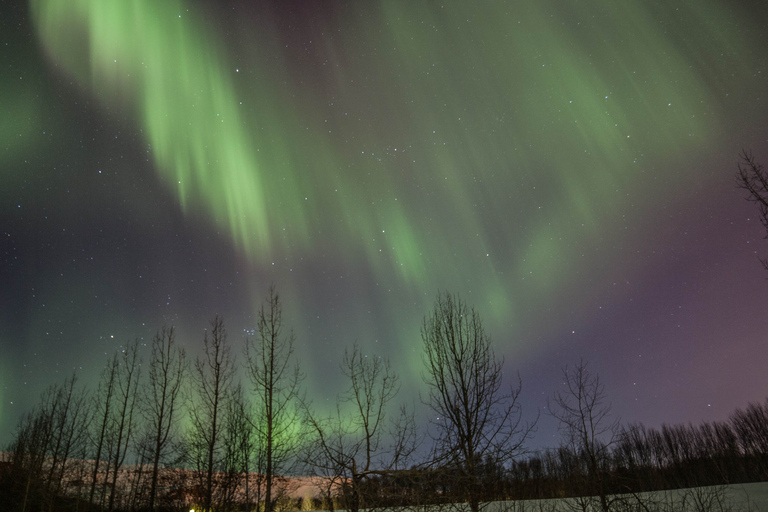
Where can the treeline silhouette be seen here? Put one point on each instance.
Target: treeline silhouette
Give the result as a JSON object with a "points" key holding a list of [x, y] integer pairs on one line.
{"points": [[648, 459], [171, 433], [641, 460]]}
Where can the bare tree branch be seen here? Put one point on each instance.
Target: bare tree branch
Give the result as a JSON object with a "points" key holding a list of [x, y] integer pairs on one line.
{"points": [[585, 418], [753, 178], [275, 379], [477, 421]]}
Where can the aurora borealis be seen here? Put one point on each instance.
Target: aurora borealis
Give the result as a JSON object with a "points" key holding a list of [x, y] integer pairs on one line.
{"points": [[566, 167]]}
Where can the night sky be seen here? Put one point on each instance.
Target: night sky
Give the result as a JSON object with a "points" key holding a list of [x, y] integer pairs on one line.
{"points": [[567, 167]]}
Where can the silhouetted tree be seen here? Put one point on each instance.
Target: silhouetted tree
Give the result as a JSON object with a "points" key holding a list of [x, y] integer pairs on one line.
{"points": [[120, 431], [275, 378], [162, 402], [212, 377], [750, 433], [475, 417], [753, 178], [103, 405], [589, 430], [351, 447], [236, 430], [70, 424], [46, 447]]}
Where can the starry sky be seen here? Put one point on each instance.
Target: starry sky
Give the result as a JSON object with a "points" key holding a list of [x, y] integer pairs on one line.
{"points": [[567, 167]]}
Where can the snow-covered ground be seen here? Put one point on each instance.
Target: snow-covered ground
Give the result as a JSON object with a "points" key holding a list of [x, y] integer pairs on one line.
{"points": [[733, 498]]}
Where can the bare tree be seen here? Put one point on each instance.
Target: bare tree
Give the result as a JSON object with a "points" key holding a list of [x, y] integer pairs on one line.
{"points": [[476, 418], [162, 401], [114, 405], [275, 380], [749, 438], [28, 455], [589, 430], [69, 427], [318, 457], [351, 446], [46, 443], [753, 178], [103, 403], [122, 424], [238, 448], [213, 382]]}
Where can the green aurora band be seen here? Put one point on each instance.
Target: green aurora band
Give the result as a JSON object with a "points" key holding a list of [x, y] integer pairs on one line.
{"points": [[407, 107]]}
